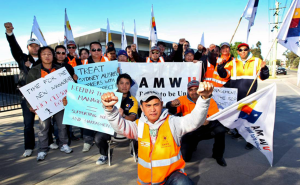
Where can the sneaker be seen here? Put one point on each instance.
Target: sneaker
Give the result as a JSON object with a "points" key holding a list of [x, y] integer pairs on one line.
{"points": [[237, 136], [102, 160], [86, 147], [27, 153], [65, 148], [53, 146], [41, 156], [249, 146]]}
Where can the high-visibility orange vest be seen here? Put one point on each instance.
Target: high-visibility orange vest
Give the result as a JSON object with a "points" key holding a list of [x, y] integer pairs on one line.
{"points": [[104, 59], [212, 76], [72, 62], [238, 70], [160, 59], [44, 73], [157, 162]]}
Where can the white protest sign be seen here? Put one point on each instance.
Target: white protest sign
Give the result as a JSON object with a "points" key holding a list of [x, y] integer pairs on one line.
{"points": [[46, 94], [102, 74], [169, 79], [85, 108], [224, 97]]}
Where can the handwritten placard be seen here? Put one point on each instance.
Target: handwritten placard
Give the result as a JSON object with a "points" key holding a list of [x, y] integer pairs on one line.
{"points": [[224, 97], [102, 75], [85, 110], [46, 94]]}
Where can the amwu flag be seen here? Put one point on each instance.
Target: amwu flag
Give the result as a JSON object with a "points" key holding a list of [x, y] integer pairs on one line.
{"points": [[68, 30], [250, 13], [123, 38], [153, 32], [135, 38], [289, 33], [254, 118], [37, 32]]}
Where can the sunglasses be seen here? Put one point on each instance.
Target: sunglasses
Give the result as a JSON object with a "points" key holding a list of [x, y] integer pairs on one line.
{"points": [[94, 50], [153, 52], [240, 50], [58, 53], [71, 47]]}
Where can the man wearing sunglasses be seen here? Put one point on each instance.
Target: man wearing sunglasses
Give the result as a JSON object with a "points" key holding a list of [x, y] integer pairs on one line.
{"points": [[242, 72], [154, 55], [72, 56], [96, 53]]}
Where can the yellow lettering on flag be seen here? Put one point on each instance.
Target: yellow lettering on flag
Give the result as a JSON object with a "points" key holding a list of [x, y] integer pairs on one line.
{"points": [[109, 37], [297, 13]]}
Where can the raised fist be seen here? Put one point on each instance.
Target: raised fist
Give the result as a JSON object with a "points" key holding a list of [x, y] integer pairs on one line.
{"points": [[205, 89], [9, 27]]}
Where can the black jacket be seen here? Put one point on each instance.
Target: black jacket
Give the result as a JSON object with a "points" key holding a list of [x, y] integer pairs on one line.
{"points": [[198, 55], [65, 64], [20, 58], [178, 55]]}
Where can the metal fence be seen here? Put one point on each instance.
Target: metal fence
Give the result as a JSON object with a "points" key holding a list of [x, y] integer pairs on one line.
{"points": [[10, 97]]}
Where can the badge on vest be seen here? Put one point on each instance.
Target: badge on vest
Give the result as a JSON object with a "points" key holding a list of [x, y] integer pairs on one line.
{"points": [[165, 142], [145, 144]]}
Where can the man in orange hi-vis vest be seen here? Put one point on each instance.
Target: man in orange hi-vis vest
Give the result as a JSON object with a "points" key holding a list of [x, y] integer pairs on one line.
{"points": [[159, 134]]}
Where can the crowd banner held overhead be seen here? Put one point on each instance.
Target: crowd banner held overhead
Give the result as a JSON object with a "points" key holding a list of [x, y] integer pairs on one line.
{"points": [[85, 109], [289, 33], [102, 75], [37, 32], [224, 97], [108, 34], [123, 37], [254, 118], [169, 79], [135, 37], [68, 30], [153, 31], [249, 14], [46, 94]]}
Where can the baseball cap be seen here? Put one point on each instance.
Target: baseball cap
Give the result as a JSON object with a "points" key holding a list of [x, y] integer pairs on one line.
{"points": [[33, 41], [224, 44], [122, 52], [243, 44], [189, 51], [155, 48], [71, 42], [149, 94], [193, 83]]}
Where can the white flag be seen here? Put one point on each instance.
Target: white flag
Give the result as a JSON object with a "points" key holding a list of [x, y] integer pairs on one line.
{"points": [[202, 40], [135, 38], [108, 34], [153, 32], [254, 118], [289, 33], [250, 13], [37, 32], [123, 38], [68, 30]]}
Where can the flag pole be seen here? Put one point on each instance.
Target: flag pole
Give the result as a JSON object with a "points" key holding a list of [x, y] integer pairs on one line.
{"points": [[260, 69], [235, 30], [150, 47]]}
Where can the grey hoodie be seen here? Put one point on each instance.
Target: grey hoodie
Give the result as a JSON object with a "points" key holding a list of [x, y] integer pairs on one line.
{"points": [[178, 125]]}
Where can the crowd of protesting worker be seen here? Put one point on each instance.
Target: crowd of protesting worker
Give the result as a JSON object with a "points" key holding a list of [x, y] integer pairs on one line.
{"points": [[162, 143]]}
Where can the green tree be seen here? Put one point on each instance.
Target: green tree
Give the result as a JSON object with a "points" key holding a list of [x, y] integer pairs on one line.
{"points": [[278, 62], [257, 51], [296, 62], [233, 49], [291, 56]]}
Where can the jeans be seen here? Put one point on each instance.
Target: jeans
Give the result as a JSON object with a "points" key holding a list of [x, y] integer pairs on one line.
{"points": [[190, 140], [88, 136], [178, 178], [28, 117], [45, 127]]}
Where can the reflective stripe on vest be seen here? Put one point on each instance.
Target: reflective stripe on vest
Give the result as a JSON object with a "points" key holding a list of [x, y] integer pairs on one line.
{"points": [[105, 59], [84, 62], [215, 80], [156, 162], [161, 59], [235, 77]]}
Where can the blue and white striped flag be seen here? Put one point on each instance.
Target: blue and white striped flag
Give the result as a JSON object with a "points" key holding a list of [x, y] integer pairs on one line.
{"points": [[250, 13]]}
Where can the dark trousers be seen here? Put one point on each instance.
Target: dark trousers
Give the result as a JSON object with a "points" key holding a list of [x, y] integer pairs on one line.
{"points": [[88, 136], [28, 117], [101, 141], [214, 130]]}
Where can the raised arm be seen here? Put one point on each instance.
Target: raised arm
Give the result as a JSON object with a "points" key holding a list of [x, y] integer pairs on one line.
{"points": [[118, 123]]}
